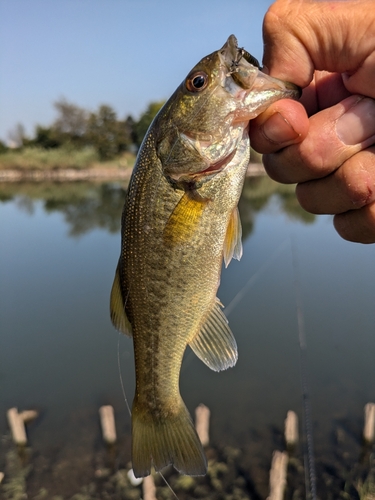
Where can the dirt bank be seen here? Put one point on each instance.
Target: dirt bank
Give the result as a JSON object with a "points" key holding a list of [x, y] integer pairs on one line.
{"points": [[90, 174]]}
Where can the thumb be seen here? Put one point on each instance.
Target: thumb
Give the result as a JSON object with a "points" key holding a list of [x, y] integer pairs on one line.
{"points": [[301, 37]]}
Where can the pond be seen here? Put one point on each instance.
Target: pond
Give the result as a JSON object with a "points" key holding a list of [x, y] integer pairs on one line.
{"points": [[60, 354]]}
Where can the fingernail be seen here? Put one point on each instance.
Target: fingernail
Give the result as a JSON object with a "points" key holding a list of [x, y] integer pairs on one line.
{"points": [[357, 124], [278, 130]]}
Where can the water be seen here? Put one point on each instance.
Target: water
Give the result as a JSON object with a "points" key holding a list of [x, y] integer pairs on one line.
{"points": [[59, 247]]}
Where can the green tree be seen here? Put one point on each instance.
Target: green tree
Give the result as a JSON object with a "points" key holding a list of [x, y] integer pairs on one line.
{"points": [[108, 135], [3, 147], [46, 137], [142, 125]]}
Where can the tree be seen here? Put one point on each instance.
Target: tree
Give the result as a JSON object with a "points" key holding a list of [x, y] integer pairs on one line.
{"points": [[3, 147], [108, 135], [71, 123], [46, 137], [145, 120]]}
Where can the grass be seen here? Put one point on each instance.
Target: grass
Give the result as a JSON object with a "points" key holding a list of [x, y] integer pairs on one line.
{"points": [[34, 158]]}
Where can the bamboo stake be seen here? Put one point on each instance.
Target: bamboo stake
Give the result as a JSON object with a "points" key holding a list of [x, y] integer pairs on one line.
{"points": [[107, 421], [17, 427], [278, 475], [369, 425], [28, 415], [202, 423], [149, 490], [291, 429]]}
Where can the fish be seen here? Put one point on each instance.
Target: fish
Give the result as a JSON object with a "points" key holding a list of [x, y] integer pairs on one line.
{"points": [[180, 221]]}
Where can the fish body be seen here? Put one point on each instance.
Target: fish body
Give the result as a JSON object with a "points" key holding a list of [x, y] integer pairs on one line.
{"points": [[180, 220]]}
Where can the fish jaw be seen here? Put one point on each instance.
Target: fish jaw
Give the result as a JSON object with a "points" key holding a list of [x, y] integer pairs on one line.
{"points": [[265, 90]]}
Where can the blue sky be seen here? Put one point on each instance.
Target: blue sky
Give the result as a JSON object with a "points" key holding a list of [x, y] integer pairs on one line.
{"points": [[125, 53]]}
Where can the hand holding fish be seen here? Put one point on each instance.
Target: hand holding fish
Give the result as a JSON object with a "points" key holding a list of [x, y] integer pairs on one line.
{"points": [[327, 145]]}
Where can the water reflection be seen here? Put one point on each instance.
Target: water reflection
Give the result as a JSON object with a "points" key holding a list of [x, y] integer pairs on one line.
{"points": [[88, 206], [85, 206], [58, 350]]}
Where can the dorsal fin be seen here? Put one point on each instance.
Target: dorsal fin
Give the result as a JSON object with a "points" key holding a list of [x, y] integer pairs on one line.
{"points": [[117, 307], [214, 344]]}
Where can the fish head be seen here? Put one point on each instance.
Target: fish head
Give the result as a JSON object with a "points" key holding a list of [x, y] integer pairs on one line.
{"points": [[202, 124]]}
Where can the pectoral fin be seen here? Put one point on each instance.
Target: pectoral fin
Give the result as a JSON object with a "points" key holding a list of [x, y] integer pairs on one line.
{"points": [[233, 238], [184, 219], [117, 307], [214, 344]]}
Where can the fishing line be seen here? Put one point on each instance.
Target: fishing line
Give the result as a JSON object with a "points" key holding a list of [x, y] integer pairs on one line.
{"points": [[119, 371], [240, 295], [309, 458]]}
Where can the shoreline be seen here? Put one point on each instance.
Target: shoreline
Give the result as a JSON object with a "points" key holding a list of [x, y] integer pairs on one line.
{"points": [[89, 174]]}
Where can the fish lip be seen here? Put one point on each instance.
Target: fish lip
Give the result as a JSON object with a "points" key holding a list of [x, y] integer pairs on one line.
{"points": [[264, 82]]}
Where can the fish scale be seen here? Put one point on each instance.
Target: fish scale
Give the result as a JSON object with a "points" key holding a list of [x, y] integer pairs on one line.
{"points": [[180, 221]]}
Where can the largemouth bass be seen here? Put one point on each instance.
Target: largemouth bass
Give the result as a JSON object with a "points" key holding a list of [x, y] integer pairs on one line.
{"points": [[180, 221]]}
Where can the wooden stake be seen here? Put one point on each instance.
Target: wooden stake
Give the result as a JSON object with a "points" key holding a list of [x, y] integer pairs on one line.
{"points": [[17, 427], [28, 415], [149, 490], [278, 475], [202, 423], [107, 421], [369, 425], [291, 429]]}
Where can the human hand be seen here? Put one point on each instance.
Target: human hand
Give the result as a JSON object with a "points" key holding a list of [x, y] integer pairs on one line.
{"points": [[329, 49]]}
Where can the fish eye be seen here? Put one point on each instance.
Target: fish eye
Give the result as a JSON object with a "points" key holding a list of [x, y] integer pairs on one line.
{"points": [[197, 81]]}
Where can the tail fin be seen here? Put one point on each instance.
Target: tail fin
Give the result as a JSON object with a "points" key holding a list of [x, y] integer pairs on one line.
{"points": [[160, 442]]}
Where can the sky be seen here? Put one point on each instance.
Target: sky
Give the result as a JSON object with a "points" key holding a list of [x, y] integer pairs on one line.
{"points": [[124, 53]]}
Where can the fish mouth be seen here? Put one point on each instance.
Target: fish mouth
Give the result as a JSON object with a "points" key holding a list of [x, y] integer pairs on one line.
{"points": [[245, 80]]}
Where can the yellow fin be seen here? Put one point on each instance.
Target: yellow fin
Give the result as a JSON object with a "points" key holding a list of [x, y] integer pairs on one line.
{"points": [[233, 243], [184, 218], [214, 344], [160, 441], [117, 307]]}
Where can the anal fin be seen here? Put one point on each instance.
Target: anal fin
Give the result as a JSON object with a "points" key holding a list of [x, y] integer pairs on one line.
{"points": [[215, 344]]}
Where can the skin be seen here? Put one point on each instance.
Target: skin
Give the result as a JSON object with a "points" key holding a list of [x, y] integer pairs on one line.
{"points": [[326, 142]]}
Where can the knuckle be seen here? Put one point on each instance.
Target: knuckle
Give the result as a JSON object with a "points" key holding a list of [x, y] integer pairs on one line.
{"points": [[358, 180], [357, 226], [303, 194], [344, 228]]}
